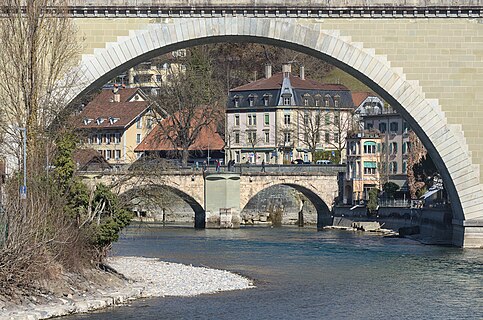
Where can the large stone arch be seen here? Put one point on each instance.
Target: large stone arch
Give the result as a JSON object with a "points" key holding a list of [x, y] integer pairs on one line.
{"points": [[197, 208], [324, 212], [445, 143]]}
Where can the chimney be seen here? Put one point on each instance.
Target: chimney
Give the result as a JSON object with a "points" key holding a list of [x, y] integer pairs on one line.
{"points": [[117, 95], [302, 72], [286, 69], [268, 71]]}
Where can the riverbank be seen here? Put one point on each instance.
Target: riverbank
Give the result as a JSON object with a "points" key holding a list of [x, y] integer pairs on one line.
{"points": [[145, 278]]}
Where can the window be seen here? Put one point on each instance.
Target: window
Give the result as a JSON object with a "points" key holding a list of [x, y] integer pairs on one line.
{"points": [[250, 101], [306, 102], [235, 101], [117, 154], [108, 154], [337, 118], [317, 137], [393, 167], [394, 126], [326, 100], [317, 119], [405, 127], [108, 138], [369, 147], [327, 137], [404, 167], [267, 119], [99, 138], [286, 119], [368, 125], [138, 138], [252, 137], [286, 101], [286, 137], [317, 102], [393, 148], [159, 78], [265, 101], [267, 137], [252, 119], [237, 119], [139, 123], [117, 138], [336, 137], [90, 139], [370, 167], [336, 102], [405, 147], [327, 118], [149, 123], [237, 137], [382, 127], [306, 119]]}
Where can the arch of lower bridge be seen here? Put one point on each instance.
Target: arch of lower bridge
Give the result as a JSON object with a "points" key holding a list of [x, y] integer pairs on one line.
{"points": [[324, 215], [447, 148], [197, 208]]}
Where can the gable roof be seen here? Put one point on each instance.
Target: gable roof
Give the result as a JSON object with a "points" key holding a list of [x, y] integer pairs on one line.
{"points": [[122, 113], [359, 97], [208, 138], [84, 157], [275, 82]]}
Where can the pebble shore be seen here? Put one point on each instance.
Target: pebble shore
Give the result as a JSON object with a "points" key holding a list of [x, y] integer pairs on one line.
{"points": [[148, 277]]}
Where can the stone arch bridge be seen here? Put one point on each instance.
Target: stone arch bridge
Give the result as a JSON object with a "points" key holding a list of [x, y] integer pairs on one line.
{"points": [[207, 194], [425, 57]]}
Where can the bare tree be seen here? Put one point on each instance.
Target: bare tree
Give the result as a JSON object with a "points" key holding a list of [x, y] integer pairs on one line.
{"points": [[310, 127], [38, 48], [191, 100], [338, 124]]}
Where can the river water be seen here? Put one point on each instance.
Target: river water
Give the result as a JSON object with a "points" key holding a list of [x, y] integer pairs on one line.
{"points": [[304, 274]]}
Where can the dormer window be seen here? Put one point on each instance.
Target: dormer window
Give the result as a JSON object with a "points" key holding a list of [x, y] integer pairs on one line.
{"points": [[113, 120], [336, 101], [236, 101], [266, 99], [250, 101], [87, 121], [100, 120], [317, 102], [326, 101]]}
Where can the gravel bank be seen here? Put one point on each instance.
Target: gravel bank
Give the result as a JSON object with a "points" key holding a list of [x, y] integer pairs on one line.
{"points": [[148, 277]]}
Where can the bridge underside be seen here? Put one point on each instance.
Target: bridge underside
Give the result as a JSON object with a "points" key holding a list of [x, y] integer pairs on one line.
{"points": [[395, 67]]}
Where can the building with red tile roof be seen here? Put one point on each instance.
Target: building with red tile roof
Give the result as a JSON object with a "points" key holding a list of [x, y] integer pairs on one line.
{"points": [[284, 117], [161, 140], [115, 122]]}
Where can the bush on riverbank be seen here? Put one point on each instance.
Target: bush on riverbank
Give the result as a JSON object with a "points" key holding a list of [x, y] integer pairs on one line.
{"points": [[62, 225]]}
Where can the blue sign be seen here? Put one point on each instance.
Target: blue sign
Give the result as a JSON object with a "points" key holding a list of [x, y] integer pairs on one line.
{"points": [[23, 192], [333, 153]]}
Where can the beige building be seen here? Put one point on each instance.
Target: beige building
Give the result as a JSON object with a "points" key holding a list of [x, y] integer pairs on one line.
{"points": [[364, 150], [115, 123], [286, 117], [151, 74]]}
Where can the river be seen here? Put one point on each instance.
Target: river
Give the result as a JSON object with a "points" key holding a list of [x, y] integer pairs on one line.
{"points": [[304, 274]]}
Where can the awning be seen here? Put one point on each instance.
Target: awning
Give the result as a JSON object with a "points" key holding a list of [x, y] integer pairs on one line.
{"points": [[369, 143], [429, 193], [370, 164]]}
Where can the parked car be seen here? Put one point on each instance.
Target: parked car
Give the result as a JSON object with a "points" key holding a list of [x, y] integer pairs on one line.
{"points": [[323, 162], [298, 161]]}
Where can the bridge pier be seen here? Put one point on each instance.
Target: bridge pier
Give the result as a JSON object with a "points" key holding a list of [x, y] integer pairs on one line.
{"points": [[468, 234], [222, 200]]}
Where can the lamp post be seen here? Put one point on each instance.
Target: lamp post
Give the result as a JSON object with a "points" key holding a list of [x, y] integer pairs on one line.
{"points": [[23, 188]]}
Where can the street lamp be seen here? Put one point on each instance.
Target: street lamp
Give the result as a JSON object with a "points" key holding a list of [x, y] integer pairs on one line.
{"points": [[23, 188]]}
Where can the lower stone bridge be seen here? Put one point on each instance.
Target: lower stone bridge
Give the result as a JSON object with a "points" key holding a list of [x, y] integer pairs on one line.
{"points": [[208, 192]]}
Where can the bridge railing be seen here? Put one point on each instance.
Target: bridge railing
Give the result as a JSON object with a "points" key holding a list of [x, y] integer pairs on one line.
{"points": [[238, 168]]}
